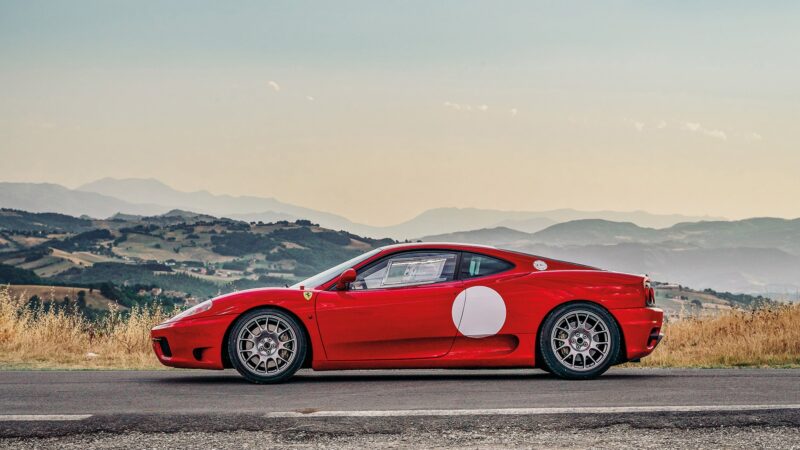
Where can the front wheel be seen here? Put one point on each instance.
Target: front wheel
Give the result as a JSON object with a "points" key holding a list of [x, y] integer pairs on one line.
{"points": [[579, 341], [267, 345]]}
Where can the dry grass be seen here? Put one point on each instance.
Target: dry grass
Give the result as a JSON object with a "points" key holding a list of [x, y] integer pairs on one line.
{"points": [[759, 338], [63, 340], [58, 338]]}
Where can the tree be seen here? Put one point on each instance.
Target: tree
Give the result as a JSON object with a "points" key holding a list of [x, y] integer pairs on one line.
{"points": [[13, 275], [34, 302], [81, 299]]}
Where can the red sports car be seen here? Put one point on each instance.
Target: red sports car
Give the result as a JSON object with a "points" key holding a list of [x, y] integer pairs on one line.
{"points": [[423, 306]]}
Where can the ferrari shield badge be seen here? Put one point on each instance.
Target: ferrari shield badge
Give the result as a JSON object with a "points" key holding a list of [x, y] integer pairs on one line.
{"points": [[307, 295]]}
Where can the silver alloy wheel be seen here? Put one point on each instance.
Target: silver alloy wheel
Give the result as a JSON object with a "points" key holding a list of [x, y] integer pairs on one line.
{"points": [[266, 345], [580, 340]]}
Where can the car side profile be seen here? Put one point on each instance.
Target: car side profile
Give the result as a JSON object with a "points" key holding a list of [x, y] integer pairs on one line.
{"points": [[423, 305]]}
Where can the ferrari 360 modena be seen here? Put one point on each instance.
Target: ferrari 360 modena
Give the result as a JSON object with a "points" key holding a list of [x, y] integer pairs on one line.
{"points": [[423, 305]]}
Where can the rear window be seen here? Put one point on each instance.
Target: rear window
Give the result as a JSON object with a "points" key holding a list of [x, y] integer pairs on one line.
{"points": [[475, 265]]}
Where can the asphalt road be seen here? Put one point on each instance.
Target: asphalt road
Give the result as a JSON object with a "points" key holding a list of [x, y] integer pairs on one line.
{"points": [[132, 392], [63, 404]]}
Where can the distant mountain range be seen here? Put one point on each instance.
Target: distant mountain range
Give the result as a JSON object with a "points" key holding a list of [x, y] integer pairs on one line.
{"points": [[47, 197], [754, 255], [148, 197], [759, 256]]}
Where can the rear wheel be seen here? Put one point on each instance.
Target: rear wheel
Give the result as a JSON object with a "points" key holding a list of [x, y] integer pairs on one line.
{"points": [[579, 341], [267, 345]]}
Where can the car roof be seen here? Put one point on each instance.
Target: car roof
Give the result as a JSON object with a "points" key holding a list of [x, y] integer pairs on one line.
{"points": [[456, 246], [510, 255], [440, 245]]}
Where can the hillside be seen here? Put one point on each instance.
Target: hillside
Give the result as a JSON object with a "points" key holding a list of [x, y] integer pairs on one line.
{"points": [[782, 234], [593, 231], [184, 254], [485, 236], [11, 219], [93, 298], [679, 301]]}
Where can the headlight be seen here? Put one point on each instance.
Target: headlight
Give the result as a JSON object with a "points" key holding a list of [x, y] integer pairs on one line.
{"points": [[196, 309]]}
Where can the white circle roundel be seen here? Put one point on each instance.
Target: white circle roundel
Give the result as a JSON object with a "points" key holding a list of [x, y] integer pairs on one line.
{"points": [[540, 265], [479, 311]]}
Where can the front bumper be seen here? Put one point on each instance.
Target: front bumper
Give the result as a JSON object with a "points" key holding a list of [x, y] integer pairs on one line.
{"points": [[192, 343], [641, 329]]}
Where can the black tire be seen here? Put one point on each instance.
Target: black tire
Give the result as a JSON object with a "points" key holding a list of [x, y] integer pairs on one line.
{"points": [[604, 349], [540, 361], [282, 373]]}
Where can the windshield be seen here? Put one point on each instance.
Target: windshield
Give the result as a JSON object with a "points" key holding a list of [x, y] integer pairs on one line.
{"points": [[322, 277]]}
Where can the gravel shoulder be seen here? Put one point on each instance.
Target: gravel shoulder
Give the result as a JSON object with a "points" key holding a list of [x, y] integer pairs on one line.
{"points": [[616, 436]]}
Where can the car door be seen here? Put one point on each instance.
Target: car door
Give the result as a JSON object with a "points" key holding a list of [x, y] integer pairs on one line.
{"points": [[399, 307], [486, 302]]}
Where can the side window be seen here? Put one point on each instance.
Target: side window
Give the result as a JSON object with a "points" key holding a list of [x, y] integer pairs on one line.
{"points": [[407, 269], [475, 265]]}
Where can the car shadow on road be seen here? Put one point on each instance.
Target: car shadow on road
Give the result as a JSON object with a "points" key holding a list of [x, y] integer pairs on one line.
{"points": [[446, 377], [231, 377]]}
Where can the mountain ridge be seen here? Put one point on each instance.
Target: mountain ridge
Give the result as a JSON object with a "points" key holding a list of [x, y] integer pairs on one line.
{"points": [[733, 255], [149, 196], [774, 233]]}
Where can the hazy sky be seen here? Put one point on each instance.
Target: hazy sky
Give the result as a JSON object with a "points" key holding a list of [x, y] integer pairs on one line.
{"points": [[379, 110]]}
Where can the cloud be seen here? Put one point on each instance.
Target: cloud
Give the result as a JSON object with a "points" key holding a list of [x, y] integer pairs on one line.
{"points": [[274, 85], [636, 124], [691, 126], [458, 106], [695, 127], [309, 98], [513, 112], [752, 136], [465, 107]]}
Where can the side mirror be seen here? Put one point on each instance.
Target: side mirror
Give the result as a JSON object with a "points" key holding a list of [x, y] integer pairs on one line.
{"points": [[347, 277]]}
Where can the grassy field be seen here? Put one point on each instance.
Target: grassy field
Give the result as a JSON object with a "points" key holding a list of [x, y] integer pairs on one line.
{"points": [[768, 337], [59, 340]]}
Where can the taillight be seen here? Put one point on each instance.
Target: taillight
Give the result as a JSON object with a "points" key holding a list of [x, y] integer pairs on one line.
{"points": [[649, 293]]}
